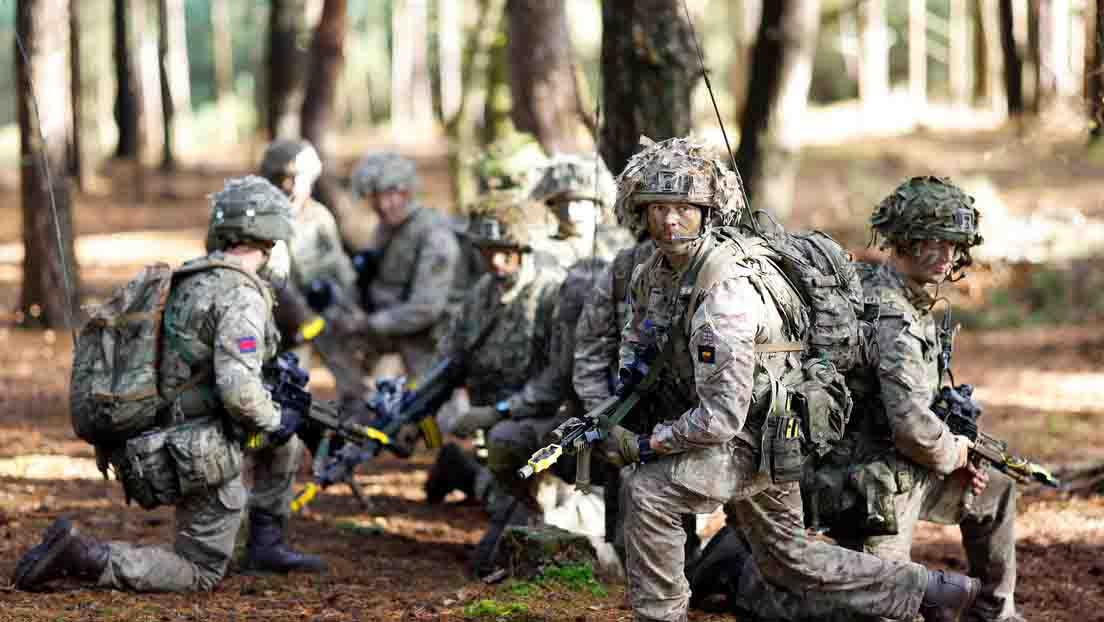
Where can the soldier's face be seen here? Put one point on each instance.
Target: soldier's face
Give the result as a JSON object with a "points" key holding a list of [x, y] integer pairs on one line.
{"points": [[392, 206], [502, 263], [927, 261], [674, 226]]}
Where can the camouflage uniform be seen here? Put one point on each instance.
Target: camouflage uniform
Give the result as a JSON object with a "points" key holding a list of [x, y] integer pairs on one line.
{"points": [[711, 444], [414, 276]]}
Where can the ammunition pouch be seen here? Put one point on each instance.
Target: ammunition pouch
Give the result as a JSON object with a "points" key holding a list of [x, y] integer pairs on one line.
{"points": [[163, 466], [856, 499]]}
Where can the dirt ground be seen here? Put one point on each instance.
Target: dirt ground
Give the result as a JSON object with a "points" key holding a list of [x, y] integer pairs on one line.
{"points": [[1043, 388]]}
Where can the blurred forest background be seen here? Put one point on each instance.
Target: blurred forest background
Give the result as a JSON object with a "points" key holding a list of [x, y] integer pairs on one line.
{"points": [[139, 107]]}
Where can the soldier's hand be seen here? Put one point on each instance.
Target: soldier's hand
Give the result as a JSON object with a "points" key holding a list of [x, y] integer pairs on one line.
{"points": [[290, 420], [963, 445], [979, 477], [621, 446], [477, 418]]}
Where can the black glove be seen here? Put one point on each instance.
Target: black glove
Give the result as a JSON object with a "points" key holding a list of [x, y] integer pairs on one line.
{"points": [[290, 420], [635, 369], [320, 295]]}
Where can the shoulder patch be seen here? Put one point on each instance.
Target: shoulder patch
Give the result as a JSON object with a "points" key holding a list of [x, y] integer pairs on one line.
{"points": [[707, 354], [247, 345]]}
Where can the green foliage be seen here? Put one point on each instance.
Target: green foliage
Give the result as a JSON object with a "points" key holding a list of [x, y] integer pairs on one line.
{"points": [[488, 609], [577, 577]]}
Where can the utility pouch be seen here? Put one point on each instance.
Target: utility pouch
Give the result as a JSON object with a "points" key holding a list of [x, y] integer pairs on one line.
{"points": [[787, 458], [145, 468], [203, 456], [878, 484]]}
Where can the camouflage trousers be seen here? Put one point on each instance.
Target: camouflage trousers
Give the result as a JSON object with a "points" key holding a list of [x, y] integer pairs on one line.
{"points": [[510, 443], [770, 517], [987, 526], [206, 529]]}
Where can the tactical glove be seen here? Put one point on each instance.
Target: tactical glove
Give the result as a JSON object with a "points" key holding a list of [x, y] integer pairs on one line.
{"points": [[290, 420], [477, 418], [621, 446]]}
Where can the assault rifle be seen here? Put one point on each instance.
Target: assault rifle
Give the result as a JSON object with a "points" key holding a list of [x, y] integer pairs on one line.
{"points": [[956, 406]]}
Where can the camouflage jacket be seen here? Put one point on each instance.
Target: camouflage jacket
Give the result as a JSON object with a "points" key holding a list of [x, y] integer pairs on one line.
{"points": [[893, 403], [516, 361], [410, 292], [222, 320], [598, 332], [316, 249], [740, 300]]}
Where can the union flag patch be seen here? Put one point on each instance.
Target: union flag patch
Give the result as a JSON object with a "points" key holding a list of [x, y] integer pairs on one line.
{"points": [[247, 345]]}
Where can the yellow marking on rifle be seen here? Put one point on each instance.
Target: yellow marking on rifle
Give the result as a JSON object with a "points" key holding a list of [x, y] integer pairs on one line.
{"points": [[310, 330], [431, 432], [304, 497], [792, 429], [256, 441], [377, 436], [545, 457]]}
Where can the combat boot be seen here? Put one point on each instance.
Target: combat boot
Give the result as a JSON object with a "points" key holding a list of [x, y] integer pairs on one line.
{"points": [[453, 470], [948, 596], [63, 552], [267, 550]]}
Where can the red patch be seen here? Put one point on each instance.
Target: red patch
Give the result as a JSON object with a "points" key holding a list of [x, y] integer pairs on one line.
{"points": [[247, 345]]}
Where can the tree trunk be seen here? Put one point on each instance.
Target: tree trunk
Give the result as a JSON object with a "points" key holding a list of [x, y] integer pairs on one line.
{"points": [[1013, 62], [649, 69], [172, 56], [959, 67], [542, 74], [75, 159], [449, 55], [873, 55], [43, 89], [497, 104], [1095, 73], [462, 127], [326, 58], [778, 91], [128, 98], [981, 53], [411, 92], [287, 24], [918, 55], [222, 49], [1034, 53], [743, 19]]}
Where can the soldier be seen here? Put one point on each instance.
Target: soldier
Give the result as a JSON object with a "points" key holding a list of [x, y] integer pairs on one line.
{"points": [[579, 192], [218, 317], [720, 324], [515, 378], [316, 252], [411, 270]]}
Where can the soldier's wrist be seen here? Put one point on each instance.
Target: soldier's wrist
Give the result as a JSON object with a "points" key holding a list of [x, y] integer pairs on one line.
{"points": [[645, 452]]}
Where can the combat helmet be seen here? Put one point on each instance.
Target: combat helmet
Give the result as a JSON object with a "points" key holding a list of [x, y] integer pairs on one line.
{"points": [[246, 209], [569, 177], [510, 163], [384, 171], [676, 170], [292, 158], [928, 208], [497, 219]]}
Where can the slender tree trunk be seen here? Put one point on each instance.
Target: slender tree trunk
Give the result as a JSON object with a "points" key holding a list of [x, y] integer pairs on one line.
{"points": [[743, 19], [981, 52], [287, 26], [497, 104], [918, 54], [43, 89], [222, 48], [1095, 73], [1034, 54], [959, 67], [649, 69], [542, 73], [873, 55], [128, 98], [326, 58], [462, 127], [1013, 62], [172, 54], [778, 91], [76, 157], [411, 92], [450, 57]]}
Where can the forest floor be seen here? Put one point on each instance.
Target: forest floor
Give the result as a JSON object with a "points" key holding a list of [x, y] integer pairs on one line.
{"points": [[1042, 383]]}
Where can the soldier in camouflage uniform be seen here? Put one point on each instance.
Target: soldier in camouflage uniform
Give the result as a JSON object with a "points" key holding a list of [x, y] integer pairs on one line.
{"points": [[316, 252], [219, 318], [579, 192], [725, 322], [411, 273]]}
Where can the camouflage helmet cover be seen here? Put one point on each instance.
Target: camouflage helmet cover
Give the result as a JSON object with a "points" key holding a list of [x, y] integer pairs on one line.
{"points": [[928, 208], [497, 219], [676, 170], [248, 208], [292, 158], [509, 163], [572, 178], [384, 171]]}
